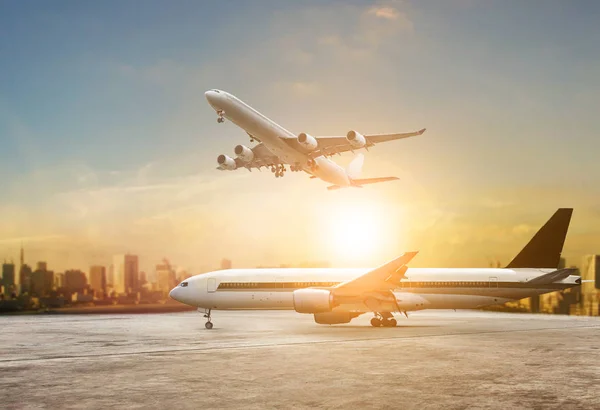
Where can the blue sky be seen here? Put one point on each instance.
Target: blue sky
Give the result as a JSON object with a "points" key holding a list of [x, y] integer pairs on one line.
{"points": [[104, 126]]}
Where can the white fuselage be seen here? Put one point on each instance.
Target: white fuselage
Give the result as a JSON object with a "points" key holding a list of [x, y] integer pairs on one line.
{"points": [[422, 288], [272, 135]]}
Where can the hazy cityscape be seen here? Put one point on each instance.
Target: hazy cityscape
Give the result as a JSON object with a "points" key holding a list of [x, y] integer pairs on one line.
{"points": [[28, 287]]}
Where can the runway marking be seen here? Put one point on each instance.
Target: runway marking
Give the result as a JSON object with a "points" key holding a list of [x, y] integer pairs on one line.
{"points": [[298, 343]]}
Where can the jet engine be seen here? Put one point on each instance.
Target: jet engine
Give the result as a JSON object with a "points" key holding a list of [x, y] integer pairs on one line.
{"points": [[355, 139], [244, 153], [334, 318], [312, 300], [307, 142], [226, 162]]}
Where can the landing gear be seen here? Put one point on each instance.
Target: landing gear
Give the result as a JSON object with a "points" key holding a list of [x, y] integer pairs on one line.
{"points": [[221, 118], [380, 320], [208, 325], [278, 170], [296, 167]]}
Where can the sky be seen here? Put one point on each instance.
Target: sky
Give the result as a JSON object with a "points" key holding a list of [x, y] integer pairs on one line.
{"points": [[107, 144]]}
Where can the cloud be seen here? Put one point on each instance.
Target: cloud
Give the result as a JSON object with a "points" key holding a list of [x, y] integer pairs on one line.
{"points": [[392, 15], [388, 13]]}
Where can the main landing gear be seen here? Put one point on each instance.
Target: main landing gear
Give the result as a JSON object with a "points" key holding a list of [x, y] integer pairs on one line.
{"points": [[278, 170], [206, 312], [380, 320], [221, 118]]}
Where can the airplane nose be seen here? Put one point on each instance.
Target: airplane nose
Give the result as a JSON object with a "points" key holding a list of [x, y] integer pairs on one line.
{"points": [[211, 97], [173, 294]]}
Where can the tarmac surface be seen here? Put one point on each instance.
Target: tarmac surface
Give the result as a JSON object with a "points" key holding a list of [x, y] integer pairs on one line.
{"points": [[255, 360]]}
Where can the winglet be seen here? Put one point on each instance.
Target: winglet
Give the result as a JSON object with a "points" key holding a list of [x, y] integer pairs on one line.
{"points": [[544, 249], [421, 131]]}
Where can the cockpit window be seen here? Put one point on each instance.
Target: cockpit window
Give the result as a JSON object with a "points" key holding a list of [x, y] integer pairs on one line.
{"points": [[183, 284], [216, 91]]}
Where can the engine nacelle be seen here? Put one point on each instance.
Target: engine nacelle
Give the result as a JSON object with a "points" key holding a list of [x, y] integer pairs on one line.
{"points": [[226, 162], [312, 300], [307, 142], [334, 318], [244, 153], [355, 139]]}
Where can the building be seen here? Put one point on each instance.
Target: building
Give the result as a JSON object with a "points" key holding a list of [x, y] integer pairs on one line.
{"points": [[8, 278], [59, 280], [43, 266], [226, 264], [98, 279], [41, 281], [25, 278], [110, 276], [590, 293], [75, 281], [165, 277], [24, 273], [125, 274]]}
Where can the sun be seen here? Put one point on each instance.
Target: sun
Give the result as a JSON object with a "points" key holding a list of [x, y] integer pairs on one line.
{"points": [[356, 232]]}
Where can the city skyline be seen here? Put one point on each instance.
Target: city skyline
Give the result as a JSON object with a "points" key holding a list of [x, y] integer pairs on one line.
{"points": [[109, 147]]}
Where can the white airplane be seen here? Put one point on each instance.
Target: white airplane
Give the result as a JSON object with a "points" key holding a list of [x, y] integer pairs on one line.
{"points": [[337, 296], [279, 147]]}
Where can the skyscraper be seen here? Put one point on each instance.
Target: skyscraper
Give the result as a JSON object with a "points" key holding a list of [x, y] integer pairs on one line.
{"points": [[75, 281], [125, 274], [165, 276], [590, 293], [98, 278], [590, 270], [24, 273], [8, 278]]}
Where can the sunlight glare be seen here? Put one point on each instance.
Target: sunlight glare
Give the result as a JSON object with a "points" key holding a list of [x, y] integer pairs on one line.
{"points": [[356, 231]]}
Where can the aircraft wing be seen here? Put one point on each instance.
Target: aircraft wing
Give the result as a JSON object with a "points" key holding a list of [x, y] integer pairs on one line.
{"points": [[262, 158], [385, 277], [336, 145]]}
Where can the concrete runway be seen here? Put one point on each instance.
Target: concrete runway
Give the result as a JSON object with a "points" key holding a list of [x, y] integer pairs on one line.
{"points": [[258, 360]]}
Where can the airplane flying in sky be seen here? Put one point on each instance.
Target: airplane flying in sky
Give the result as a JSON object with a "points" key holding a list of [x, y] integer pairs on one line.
{"points": [[336, 296], [302, 152]]}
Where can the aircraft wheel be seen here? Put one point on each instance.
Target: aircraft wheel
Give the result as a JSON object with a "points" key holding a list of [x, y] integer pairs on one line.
{"points": [[375, 322], [391, 323], [208, 325], [220, 120]]}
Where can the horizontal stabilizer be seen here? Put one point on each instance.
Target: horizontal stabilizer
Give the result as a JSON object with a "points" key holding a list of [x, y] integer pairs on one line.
{"points": [[366, 181], [544, 249], [552, 277]]}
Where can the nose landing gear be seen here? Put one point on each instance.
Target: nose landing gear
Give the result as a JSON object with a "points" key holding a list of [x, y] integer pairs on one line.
{"points": [[221, 118], [208, 325]]}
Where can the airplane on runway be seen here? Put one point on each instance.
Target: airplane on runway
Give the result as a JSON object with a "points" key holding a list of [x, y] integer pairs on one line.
{"points": [[337, 296], [303, 152]]}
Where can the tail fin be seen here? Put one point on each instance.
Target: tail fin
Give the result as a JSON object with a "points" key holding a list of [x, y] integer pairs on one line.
{"points": [[355, 167], [544, 249]]}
